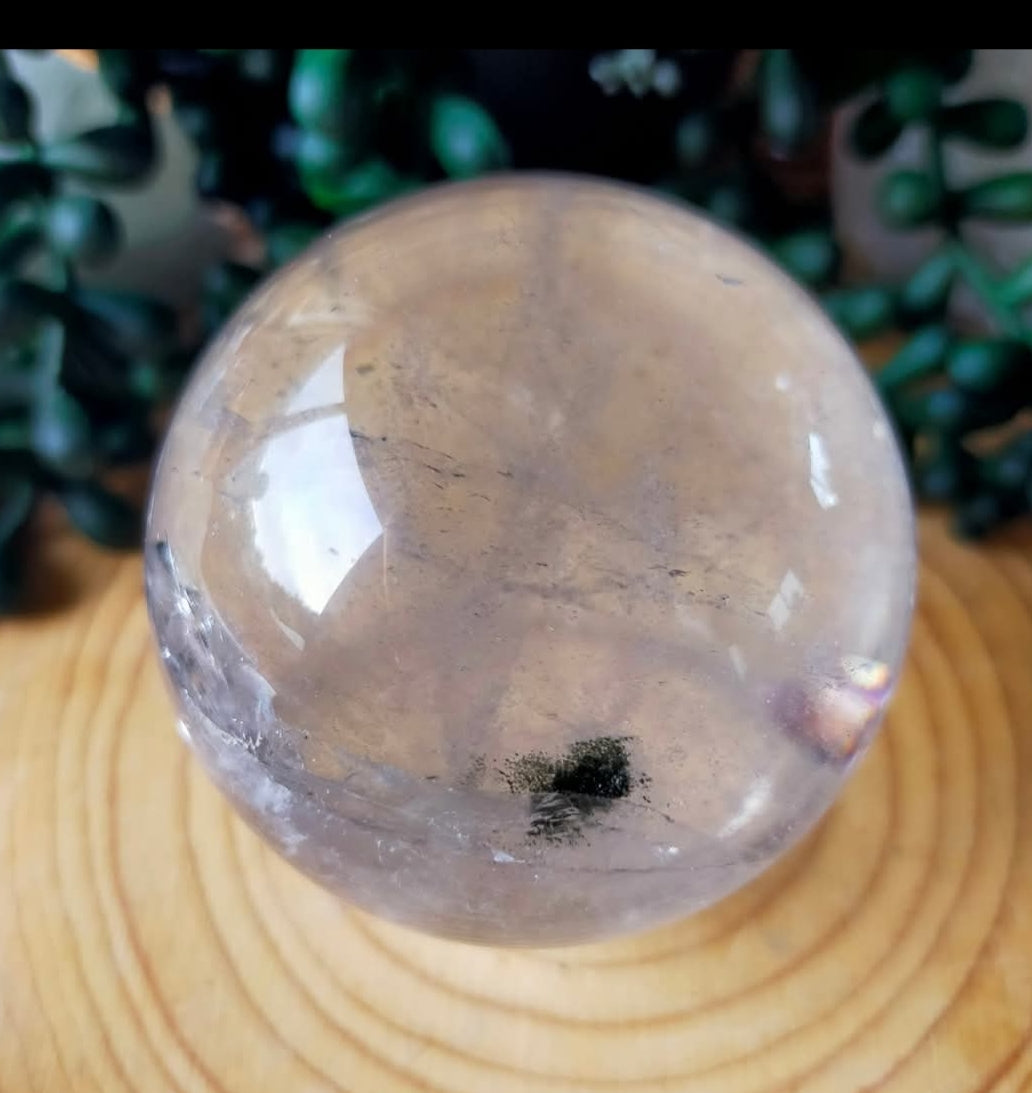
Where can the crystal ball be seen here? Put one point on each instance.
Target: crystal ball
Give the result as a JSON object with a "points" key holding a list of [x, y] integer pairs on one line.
{"points": [[531, 560]]}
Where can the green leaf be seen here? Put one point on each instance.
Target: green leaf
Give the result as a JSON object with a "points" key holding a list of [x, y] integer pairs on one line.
{"points": [[212, 173], [17, 151], [112, 154], [230, 281], [371, 182], [942, 410], [986, 364], [15, 111], [105, 517], [62, 437], [952, 410], [150, 380], [23, 305], [285, 241], [136, 325], [1011, 467], [913, 94], [321, 156], [948, 475], [989, 123], [17, 241], [1007, 198], [788, 109], [731, 203], [23, 180], [197, 120], [327, 94], [811, 256], [908, 199], [464, 137], [875, 130], [695, 139], [926, 292], [323, 165], [129, 73], [82, 229], [125, 442], [923, 355], [48, 365], [1016, 288], [263, 65], [861, 312], [17, 391], [226, 286]]}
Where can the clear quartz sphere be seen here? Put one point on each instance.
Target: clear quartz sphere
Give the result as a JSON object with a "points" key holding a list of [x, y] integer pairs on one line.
{"points": [[531, 561]]}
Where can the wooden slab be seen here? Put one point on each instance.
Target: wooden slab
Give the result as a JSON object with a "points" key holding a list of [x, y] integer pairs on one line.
{"points": [[148, 941]]}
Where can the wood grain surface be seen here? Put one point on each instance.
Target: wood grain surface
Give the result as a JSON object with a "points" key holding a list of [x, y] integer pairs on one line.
{"points": [[149, 941]]}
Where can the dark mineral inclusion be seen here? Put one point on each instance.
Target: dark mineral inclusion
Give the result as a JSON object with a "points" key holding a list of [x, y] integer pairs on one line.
{"points": [[568, 791]]}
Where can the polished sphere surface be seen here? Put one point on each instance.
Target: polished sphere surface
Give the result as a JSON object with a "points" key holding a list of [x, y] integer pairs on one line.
{"points": [[530, 560]]}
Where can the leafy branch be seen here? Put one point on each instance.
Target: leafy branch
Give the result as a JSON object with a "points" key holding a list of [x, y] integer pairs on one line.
{"points": [[297, 139]]}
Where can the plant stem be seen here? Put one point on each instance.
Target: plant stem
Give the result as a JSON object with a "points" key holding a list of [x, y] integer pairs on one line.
{"points": [[980, 281], [988, 292], [937, 170]]}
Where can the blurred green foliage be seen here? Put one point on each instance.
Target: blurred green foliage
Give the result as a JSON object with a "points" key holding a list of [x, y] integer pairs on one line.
{"points": [[297, 139]]}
